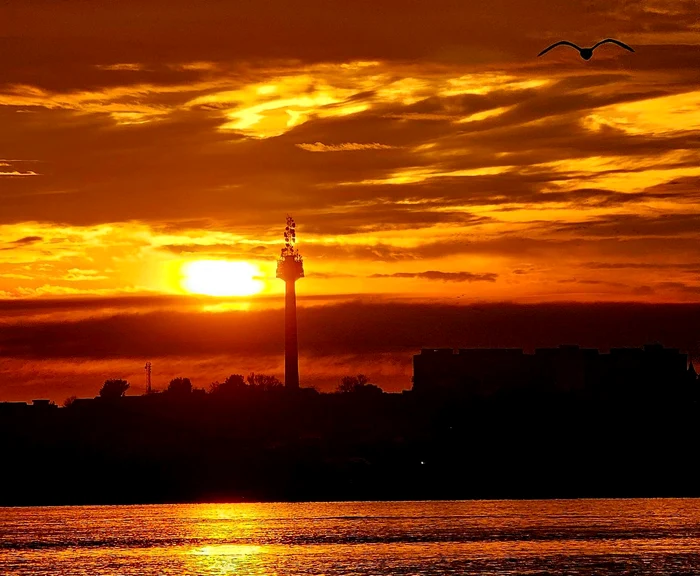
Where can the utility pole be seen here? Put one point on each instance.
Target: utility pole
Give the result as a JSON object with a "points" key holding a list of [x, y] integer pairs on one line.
{"points": [[148, 368]]}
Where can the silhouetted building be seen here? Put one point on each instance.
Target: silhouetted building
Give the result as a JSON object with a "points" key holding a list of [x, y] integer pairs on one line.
{"points": [[41, 403], [290, 267], [645, 371], [8, 409]]}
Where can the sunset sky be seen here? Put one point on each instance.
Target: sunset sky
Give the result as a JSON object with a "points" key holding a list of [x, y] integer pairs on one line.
{"points": [[436, 169]]}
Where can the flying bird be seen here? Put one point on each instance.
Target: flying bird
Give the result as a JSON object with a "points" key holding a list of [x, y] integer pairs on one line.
{"points": [[586, 53]]}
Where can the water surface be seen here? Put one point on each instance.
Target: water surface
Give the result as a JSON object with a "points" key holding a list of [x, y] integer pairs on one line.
{"points": [[557, 537]]}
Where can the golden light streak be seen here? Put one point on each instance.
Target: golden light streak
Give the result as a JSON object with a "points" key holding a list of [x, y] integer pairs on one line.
{"points": [[479, 116], [415, 175], [675, 113], [485, 83]]}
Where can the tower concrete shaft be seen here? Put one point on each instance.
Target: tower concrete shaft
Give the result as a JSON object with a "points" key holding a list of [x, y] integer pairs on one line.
{"points": [[290, 267], [291, 346]]}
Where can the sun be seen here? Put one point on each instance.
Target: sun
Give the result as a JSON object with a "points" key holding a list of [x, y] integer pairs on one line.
{"points": [[221, 278]]}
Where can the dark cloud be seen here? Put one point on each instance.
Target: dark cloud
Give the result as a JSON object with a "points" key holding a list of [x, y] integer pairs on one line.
{"points": [[692, 289], [111, 305], [355, 327], [385, 216], [220, 31], [219, 250], [620, 225], [591, 282], [443, 276], [328, 275], [689, 266], [20, 242], [515, 245], [449, 30]]}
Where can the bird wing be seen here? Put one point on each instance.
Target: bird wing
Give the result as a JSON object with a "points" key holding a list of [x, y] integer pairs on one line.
{"points": [[613, 41], [561, 43]]}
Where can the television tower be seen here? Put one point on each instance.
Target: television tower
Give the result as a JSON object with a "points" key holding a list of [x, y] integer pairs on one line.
{"points": [[290, 267]]}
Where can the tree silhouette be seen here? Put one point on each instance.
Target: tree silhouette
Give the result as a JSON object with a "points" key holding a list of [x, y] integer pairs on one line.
{"points": [[352, 383], [113, 389], [234, 383], [180, 386], [368, 389], [69, 401], [264, 382]]}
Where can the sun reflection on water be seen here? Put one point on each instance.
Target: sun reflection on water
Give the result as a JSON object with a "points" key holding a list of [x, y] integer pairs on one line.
{"points": [[501, 538], [224, 559]]}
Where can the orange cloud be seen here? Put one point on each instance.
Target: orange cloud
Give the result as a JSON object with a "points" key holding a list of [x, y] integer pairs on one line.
{"points": [[344, 147]]}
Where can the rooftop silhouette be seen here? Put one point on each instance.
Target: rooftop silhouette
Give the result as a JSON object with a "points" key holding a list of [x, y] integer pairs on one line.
{"points": [[651, 370]]}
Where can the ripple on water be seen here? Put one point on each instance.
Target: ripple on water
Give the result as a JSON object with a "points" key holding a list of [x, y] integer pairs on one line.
{"points": [[572, 537]]}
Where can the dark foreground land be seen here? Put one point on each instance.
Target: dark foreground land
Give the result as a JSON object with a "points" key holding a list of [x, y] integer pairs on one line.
{"points": [[286, 445]]}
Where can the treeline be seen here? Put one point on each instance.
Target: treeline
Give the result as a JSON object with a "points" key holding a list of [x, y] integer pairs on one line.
{"points": [[234, 385]]}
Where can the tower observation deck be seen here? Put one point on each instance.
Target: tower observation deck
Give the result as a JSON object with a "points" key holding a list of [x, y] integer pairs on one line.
{"points": [[290, 267]]}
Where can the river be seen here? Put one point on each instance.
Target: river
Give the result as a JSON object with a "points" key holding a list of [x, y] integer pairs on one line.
{"points": [[553, 537]]}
